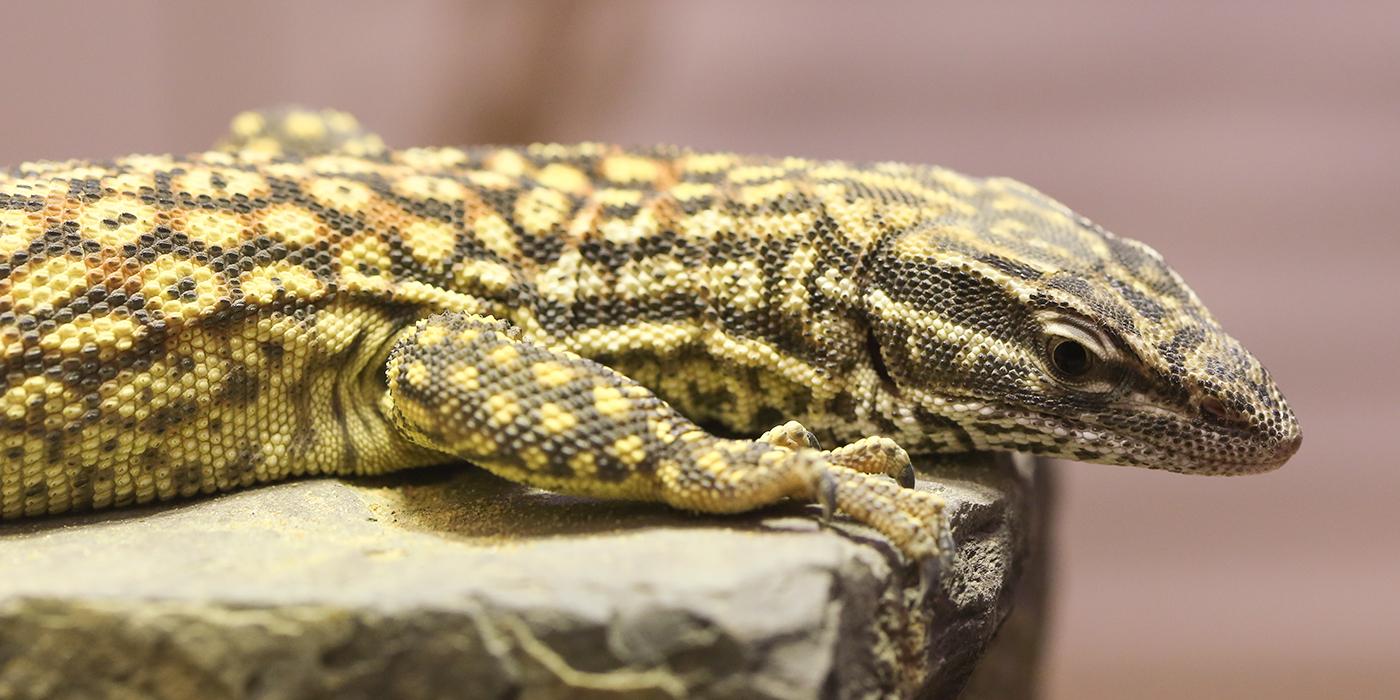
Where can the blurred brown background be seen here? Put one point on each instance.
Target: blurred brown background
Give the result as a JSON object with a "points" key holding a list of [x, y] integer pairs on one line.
{"points": [[1256, 144]]}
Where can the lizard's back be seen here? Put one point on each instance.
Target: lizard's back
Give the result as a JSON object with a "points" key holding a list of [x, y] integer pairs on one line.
{"points": [[173, 326]]}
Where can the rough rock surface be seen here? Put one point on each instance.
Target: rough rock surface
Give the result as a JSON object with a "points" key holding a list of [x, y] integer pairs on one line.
{"points": [[449, 582]]}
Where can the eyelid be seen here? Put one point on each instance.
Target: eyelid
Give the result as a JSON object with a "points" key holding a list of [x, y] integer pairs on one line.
{"points": [[1093, 342], [1106, 354]]}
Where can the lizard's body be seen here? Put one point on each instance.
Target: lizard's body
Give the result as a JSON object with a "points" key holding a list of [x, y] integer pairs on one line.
{"points": [[176, 326]]}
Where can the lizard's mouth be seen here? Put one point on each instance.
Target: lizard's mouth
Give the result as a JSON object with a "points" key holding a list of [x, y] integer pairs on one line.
{"points": [[1207, 441], [1158, 438]]}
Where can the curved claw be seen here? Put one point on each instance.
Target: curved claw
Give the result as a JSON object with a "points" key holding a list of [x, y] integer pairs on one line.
{"points": [[907, 477]]}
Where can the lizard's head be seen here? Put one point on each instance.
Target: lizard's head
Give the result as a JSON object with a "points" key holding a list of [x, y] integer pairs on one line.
{"points": [[1034, 330]]}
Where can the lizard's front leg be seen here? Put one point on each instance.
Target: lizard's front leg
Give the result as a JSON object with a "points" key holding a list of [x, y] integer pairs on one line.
{"points": [[469, 386]]}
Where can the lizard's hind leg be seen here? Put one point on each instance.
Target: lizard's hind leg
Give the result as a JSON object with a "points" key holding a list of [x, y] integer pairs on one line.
{"points": [[470, 386], [294, 132]]}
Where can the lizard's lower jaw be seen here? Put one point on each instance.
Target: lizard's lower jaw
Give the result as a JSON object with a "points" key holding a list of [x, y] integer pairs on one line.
{"points": [[1174, 442], [1270, 454], [1205, 442]]}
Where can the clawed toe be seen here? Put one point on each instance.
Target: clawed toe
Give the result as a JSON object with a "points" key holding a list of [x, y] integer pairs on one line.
{"points": [[907, 477], [791, 435], [876, 455], [912, 519]]}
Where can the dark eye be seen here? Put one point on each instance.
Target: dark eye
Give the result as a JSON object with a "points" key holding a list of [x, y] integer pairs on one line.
{"points": [[1071, 358]]}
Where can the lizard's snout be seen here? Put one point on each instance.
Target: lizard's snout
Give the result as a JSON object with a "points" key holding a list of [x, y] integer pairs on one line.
{"points": [[1286, 448], [1284, 437], [1275, 436]]}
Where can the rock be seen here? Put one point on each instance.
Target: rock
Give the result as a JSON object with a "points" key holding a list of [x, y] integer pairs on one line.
{"points": [[449, 582], [1009, 668]]}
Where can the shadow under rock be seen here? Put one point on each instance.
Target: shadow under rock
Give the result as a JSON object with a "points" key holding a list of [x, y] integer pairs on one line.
{"points": [[462, 500], [465, 501], [455, 499]]}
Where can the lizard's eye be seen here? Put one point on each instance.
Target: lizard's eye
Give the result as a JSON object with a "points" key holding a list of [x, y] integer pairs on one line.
{"points": [[1070, 358], [1078, 355]]}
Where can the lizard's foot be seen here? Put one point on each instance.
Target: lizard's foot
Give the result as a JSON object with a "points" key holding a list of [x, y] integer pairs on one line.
{"points": [[871, 455], [792, 435], [912, 519], [734, 476]]}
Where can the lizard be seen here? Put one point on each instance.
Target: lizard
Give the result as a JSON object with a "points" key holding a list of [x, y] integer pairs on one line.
{"points": [[589, 319]]}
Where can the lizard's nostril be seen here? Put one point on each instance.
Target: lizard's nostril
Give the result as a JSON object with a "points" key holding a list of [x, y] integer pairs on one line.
{"points": [[1216, 409]]}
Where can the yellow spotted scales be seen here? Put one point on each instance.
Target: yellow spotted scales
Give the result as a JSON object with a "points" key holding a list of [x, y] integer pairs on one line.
{"points": [[588, 319]]}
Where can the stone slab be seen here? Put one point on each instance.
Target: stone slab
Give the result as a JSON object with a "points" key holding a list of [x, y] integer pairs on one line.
{"points": [[449, 582]]}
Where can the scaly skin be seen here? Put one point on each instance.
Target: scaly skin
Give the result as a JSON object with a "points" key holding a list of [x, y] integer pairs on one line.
{"points": [[587, 319]]}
